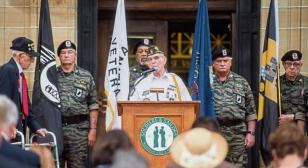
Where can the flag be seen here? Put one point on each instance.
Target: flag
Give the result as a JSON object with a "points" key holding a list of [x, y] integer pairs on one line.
{"points": [[268, 87], [117, 70], [200, 73], [45, 99]]}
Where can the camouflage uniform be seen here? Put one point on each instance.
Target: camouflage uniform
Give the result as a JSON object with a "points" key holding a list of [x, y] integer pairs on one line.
{"points": [[135, 72], [294, 95], [78, 97], [234, 107]]}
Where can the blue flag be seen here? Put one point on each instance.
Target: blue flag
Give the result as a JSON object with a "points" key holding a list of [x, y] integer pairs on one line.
{"points": [[200, 73]]}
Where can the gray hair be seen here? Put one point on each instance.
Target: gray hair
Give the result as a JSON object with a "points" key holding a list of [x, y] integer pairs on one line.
{"points": [[8, 111], [15, 53]]}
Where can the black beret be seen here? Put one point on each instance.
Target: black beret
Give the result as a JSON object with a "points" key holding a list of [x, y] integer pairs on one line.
{"points": [[292, 55], [154, 50], [221, 52], [66, 44], [25, 45], [143, 42]]}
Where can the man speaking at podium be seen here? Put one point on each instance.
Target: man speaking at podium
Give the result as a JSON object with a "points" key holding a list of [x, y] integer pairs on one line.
{"points": [[156, 84]]}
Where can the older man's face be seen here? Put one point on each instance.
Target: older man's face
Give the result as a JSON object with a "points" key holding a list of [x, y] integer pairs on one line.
{"points": [[25, 60], [222, 65], [157, 60], [292, 68], [68, 56]]}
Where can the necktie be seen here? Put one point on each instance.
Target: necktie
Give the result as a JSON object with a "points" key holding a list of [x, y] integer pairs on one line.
{"points": [[25, 107]]}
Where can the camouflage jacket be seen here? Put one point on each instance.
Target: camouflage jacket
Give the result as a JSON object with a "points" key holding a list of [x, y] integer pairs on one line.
{"points": [[135, 72], [294, 95], [77, 92], [233, 99]]}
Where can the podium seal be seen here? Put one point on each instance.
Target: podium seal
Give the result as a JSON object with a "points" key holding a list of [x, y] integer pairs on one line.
{"points": [[157, 135]]}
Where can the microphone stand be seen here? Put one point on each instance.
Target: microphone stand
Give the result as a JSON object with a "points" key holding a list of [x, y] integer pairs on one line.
{"points": [[135, 84]]}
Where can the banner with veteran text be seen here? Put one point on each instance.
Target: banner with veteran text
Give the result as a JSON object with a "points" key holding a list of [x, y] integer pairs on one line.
{"points": [[117, 69]]}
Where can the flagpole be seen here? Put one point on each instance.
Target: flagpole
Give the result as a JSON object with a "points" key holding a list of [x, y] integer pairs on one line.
{"points": [[277, 53]]}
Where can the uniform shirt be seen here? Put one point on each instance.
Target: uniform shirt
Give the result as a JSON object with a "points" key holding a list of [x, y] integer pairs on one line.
{"points": [[77, 92], [233, 99], [294, 95], [165, 83]]}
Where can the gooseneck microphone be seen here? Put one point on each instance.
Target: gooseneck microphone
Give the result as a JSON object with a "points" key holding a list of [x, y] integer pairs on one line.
{"points": [[149, 71]]}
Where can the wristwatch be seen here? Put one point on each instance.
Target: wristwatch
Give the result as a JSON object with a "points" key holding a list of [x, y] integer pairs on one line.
{"points": [[251, 132]]}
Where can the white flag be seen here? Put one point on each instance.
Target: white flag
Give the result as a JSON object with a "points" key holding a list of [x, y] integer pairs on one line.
{"points": [[117, 71]]}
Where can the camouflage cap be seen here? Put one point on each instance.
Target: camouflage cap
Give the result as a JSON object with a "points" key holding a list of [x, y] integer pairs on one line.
{"points": [[221, 52], [154, 50], [292, 55]]}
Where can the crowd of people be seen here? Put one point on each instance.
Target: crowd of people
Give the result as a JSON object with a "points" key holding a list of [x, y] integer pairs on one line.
{"points": [[208, 144]]}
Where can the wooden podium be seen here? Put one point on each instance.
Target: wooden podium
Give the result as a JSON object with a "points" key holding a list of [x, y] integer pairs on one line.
{"points": [[152, 126]]}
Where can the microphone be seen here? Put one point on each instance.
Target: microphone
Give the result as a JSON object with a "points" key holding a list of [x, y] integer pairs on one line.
{"points": [[149, 71]]}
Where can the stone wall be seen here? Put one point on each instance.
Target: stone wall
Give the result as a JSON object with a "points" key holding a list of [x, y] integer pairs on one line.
{"points": [[293, 25], [21, 17]]}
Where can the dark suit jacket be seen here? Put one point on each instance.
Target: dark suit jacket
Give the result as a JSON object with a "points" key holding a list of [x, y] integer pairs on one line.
{"points": [[14, 156], [9, 76]]}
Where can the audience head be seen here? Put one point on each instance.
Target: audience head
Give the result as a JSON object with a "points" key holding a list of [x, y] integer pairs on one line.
{"points": [[288, 139], [46, 158], [8, 115], [107, 145], [206, 122], [123, 158], [199, 147]]}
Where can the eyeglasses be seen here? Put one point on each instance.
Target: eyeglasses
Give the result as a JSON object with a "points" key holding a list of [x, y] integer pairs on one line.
{"points": [[149, 59], [68, 52], [294, 64]]}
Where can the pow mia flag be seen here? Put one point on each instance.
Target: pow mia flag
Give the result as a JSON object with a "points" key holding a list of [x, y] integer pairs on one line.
{"points": [[45, 99]]}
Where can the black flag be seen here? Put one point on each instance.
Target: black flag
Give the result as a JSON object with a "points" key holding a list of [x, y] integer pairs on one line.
{"points": [[46, 100]]}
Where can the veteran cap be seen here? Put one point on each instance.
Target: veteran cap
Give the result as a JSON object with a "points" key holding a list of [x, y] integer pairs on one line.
{"points": [[143, 42], [221, 52], [154, 50], [25, 45], [292, 55], [200, 148], [66, 44]]}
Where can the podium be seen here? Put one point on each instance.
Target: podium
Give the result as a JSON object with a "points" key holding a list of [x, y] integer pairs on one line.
{"points": [[152, 126]]}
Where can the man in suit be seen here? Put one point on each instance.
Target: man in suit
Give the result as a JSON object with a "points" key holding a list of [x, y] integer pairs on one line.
{"points": [[13, 83], [12, 156]]}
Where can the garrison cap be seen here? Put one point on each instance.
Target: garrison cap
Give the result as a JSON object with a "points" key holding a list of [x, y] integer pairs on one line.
{"points": [[292, 55], [66, 44], [221, 52], [154, 50], [143, 42], [25, 45]]}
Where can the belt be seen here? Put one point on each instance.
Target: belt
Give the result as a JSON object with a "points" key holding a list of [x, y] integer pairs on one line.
{"points": [[75, 119], [229, 123]]}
